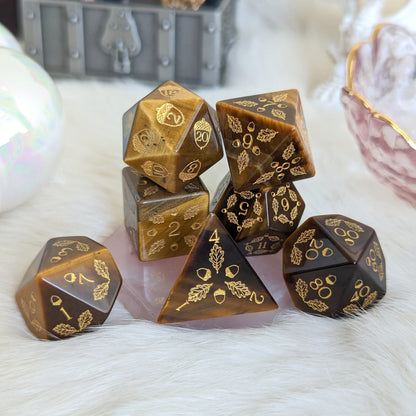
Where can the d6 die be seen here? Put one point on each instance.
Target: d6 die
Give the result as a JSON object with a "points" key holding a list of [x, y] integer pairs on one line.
{"points": [[265, 139], [161, 224], [71, 285], [334, 265], [261, 219], [171, 136]]}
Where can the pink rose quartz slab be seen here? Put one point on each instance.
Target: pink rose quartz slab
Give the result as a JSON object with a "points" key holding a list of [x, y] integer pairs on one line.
{"points": [[146, 285]]}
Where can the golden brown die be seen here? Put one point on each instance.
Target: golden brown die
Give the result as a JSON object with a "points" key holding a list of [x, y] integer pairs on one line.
{"points": [[171, 136], [161, 224], [265, 139], [70, 286]]}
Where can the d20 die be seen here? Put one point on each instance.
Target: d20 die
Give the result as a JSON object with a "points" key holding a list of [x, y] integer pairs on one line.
{"points": [[215, 281], [261, 219], [71, 285], [265, 139], [333, 266], [171, 136], [161, 224]]}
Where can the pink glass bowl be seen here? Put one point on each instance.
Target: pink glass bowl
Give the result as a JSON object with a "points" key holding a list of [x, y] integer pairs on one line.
{"points": [[380, 106]]}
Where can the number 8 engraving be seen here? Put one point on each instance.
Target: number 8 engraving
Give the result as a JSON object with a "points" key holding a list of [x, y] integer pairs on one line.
{"points": [[324, 292]]}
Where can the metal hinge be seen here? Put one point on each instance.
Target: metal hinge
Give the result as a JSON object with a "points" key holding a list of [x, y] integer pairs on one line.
{"points": [[121, 39]]}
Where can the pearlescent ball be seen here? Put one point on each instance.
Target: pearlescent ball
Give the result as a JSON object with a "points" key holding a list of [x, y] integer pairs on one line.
{"points": [[7, 40], [30, 127]]}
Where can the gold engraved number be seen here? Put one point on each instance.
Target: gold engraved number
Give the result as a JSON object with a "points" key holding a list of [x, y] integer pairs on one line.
{"points": [[349, 236], [57, 301], [285, 204], [214, 237], [324, 292], [262, 245], [244, 206], [371, 260], [32, 303], [72, 277], [174, 227], [169, 115], [314, 251], [256, 299], [361, 292], [62, 253]]}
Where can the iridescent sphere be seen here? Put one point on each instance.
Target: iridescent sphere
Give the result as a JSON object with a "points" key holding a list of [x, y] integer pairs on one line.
{"points": [[7, 40], [30, 127]]}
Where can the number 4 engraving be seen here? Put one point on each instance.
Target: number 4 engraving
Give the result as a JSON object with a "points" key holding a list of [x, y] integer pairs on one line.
{"points": [[214, 237]]}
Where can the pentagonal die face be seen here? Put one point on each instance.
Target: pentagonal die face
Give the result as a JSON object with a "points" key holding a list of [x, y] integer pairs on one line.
{"points": [[259, 220], [170, 136], [265, 139], [70, 286], [161, 224], [333, 266]]}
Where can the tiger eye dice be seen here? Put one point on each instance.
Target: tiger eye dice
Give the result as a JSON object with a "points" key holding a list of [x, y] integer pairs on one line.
{"points": [[333, 266], [215, 281], [261, 219], [70, 286], [161, 224], [265, 139], [171, 136]]}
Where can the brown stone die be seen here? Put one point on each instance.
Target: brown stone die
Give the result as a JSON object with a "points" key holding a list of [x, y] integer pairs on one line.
{"points": [[261, 219], [265, 139], [334, 265], [171, 136], [70, 286], [161, 224]]}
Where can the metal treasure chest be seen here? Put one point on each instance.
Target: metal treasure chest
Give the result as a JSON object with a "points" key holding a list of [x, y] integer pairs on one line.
{"points": [[136, 38]]}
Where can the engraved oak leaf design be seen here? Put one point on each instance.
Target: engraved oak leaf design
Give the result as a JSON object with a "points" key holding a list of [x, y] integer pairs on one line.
{"points": [[216, 257]]}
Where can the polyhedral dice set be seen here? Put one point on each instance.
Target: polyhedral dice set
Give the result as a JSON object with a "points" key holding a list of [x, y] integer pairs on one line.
{"points": [[332, 265]]}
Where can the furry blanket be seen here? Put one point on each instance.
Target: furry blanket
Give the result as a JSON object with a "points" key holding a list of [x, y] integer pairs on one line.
{"points": [[299, 365]]}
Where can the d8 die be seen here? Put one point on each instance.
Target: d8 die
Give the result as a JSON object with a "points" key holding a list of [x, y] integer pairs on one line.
{"points": [[161, 224], [261, 219], [171, 136], [265, 139], [334, 265], [71, 285]]}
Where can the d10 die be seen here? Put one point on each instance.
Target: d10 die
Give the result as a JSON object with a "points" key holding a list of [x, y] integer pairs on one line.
{"points": [[334, 265], [71, 285], [215, 281], [161, 224], [265, 139], [261, 219], [171, 136]]}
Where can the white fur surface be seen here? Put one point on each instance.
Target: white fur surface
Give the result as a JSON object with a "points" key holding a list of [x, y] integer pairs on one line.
{"points": [[300, 365]]}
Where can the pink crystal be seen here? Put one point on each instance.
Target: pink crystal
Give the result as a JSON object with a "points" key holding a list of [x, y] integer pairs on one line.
{"points": [[146, 285]]}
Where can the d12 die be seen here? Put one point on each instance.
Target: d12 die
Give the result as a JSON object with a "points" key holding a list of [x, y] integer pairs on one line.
{"points": [[334, 265], [261, 219], [171, 136], [71, 285], [161, 224], [265, 139], [215, 281]]}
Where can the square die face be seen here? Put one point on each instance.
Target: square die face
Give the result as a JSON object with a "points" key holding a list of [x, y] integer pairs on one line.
{"points": [[172, 227]]}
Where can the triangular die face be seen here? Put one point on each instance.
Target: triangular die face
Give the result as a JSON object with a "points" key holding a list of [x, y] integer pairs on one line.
{"points": [[33, 269], [309, 248], [169, 91], [364, 289], [372, 263], [128, 120], [202, 136], [93, 280], [215, 281], [280, 105], [349, 235], [65, 315], [324, 291], [61, 250]]}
